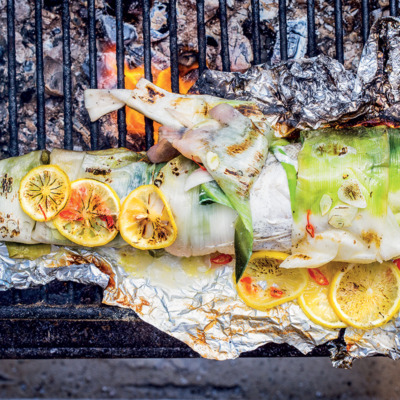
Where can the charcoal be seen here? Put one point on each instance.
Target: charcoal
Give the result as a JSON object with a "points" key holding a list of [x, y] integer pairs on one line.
{"points": [[53, 77], [109, 28], [159, 21]]}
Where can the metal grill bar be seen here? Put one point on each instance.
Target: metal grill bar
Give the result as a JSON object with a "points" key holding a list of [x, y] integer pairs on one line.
{"points": [[255, 34], [339, 31], [201, 36], [226, 65], [311, 41], [393, 8], [283, 30], [173, 46], [94, 126], [149, 128], [12, 80], [40, 103], [365, 19], [67, 80], [121, 114]]}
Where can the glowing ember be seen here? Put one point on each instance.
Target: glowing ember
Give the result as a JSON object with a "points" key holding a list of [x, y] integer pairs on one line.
{"points": [[162, 78]]}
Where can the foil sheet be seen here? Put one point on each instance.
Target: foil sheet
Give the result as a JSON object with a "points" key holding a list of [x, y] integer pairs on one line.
{"points": [[317, 92], [198, 304], [60, 264], [194, 302], [186, 298]]}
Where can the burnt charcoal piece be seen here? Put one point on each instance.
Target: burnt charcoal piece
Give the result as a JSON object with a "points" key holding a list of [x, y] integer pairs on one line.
{"points": [[109, 29], [53, 77], [159, 21]]}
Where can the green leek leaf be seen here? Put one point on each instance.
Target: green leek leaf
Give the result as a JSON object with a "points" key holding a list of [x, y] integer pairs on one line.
{"points": [[210, 192], [330, 158], [27, 251]]}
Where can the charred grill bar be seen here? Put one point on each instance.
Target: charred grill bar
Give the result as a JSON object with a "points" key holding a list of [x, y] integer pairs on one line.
{"points": [[67, 79], [255, 33], [62, 329], [149, 129], [41, 125], [283, 29], [339, 31], [173, 45], [311, 44], [94, 126], [120, 71], [201, 36], [12, 89]]}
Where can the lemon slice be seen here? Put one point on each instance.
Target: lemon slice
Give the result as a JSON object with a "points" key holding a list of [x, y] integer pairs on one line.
{"points": [[146, 221], [43, 192], [91, 214], [314, 301], [366, 296], [265, 285]]}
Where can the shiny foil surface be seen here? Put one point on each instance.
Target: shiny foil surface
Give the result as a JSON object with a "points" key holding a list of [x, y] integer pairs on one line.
{"points": [[316, 92], [193, 301]]}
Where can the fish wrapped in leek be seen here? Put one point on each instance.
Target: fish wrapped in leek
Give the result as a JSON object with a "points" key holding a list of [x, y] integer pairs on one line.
{"points": [[208, 225], [234, 151], [202, 228], [15, 224], [341, 209], [232, 147]]}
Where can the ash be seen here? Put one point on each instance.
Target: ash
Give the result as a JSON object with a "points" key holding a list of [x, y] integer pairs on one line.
{"points": [[241, 54]]}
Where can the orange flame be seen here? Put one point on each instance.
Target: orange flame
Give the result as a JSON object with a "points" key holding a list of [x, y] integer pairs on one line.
{"points": [[162, 78]]}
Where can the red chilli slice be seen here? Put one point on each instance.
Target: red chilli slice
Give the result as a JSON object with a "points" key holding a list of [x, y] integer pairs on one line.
{"points": [[318, 276], [274, 292], [109, 220], [200, 165], [221, 259], [309, 227]]}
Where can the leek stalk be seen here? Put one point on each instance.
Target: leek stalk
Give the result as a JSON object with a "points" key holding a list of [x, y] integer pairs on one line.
{"points": [[169, 109], [341, 203]]}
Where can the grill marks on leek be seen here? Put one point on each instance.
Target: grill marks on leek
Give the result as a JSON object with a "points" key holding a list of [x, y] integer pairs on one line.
{"points": [[169, 109], [202, 229], [341, 200], [15, 225], [330, 159]]}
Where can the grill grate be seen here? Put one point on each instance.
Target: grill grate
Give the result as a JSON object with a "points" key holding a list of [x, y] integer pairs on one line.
{"points": [[67, 75], [67, 79], [94, 126], [41, 124], [114, 332], [12, 89]]}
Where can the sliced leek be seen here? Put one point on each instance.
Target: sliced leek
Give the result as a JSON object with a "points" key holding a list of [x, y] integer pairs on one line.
{"points": [[341, 202]]}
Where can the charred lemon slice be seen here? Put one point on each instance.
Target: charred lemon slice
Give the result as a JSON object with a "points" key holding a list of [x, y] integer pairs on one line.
{"points": [[146, 221], [91, 214], [265, 285], [314, 301], [366, 296], [43, 192]]}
